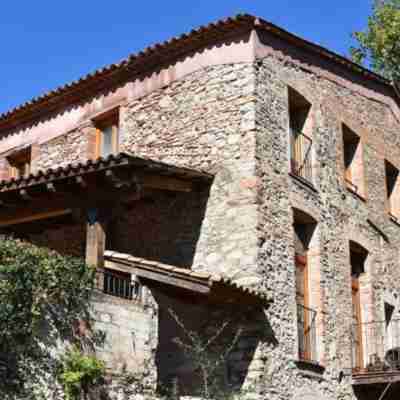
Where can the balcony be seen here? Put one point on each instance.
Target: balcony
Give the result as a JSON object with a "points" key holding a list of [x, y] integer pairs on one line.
{"points": [[307, 333], [120, 284], [301, 162], [376, 352]]}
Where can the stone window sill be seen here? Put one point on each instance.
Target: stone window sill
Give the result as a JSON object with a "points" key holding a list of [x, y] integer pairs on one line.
{"points": [[310, 367], [303, 182], [395, 220], [357, 195]]}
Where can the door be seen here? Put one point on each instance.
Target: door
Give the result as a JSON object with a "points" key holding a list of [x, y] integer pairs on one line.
{"points": [[357, 328], [302, 299]]}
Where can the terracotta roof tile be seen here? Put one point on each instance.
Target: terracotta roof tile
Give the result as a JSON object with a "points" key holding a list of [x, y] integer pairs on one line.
{"points": [[183, 273], [101, 163]]}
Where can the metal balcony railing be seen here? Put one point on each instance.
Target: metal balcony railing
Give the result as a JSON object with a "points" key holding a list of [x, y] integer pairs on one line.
{"points": [[301, 155], [376, 347], [307, 333], [120, 284]]}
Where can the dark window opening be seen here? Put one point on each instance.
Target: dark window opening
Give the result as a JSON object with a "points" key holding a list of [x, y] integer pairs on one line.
{"points": [[20, 164], [392, 190], [352, 158], [389, 311], [358, 256], [300, 135]]}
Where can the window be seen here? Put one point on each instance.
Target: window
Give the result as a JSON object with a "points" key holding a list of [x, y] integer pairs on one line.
{"points": [[300, 124], [304, 228], [392, 334], [392, 190], [107, 135], [353, 161], [358, 256], [120, 284], [20, 164]]}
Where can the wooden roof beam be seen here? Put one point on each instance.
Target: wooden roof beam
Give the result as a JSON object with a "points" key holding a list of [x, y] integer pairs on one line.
{"points": [[33, 217]]}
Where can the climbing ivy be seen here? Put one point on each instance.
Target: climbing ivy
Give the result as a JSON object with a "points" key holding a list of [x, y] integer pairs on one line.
{"points": [[42, 293]]}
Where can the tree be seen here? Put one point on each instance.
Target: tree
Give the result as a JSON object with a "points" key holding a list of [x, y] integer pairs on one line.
{"points": [[378, 46]]}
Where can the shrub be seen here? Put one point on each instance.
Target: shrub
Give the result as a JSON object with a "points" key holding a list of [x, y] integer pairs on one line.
{"points": [[38, 288], [80, 373]]}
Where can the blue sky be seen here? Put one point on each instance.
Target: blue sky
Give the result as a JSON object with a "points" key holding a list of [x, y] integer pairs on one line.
{"points": [[45, 44]]}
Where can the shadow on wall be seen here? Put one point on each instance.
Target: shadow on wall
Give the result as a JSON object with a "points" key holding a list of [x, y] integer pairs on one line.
{"points": [[65, 234], [163, 227], [220, 340], [373, 392]]}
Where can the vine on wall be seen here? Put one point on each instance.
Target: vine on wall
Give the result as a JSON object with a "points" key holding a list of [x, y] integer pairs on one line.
{"points": [[42, 294]]}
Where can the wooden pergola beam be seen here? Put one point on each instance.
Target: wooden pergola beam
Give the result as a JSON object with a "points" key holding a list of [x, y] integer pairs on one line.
{"points": [[95, 238]]}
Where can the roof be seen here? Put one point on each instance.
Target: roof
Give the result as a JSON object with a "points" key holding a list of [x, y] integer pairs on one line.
{"points": [[214, 286], [158, 54], [105, 182], [141, 164]]}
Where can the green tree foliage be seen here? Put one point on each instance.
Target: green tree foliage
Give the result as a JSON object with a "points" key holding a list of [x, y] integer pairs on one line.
{"points": [[80, 373], [378, 46], [41, 292]]}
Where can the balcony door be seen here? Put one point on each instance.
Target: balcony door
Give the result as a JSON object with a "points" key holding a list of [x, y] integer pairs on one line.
{"points": [[357, 330], [302, 300], [358, 256]]}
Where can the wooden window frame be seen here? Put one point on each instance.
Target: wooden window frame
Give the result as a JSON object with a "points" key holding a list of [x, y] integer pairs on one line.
{"points": [[111, 119], [17, 160]]}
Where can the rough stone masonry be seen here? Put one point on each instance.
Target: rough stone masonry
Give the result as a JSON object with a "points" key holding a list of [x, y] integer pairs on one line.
{"points": [[220, 102]]}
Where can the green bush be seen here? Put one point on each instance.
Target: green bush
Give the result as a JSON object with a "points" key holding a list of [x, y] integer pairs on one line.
{"points": [[39, 290], [79, 373]]}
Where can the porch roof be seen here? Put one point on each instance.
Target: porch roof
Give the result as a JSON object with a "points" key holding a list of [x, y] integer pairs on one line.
{"points": [[215, 287], [141, 164], [95, 183]]}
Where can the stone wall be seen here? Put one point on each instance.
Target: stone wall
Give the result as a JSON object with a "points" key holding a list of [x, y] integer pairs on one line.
{"points": [[206, 121], [128, 334], [163, 227], [341, 216]]}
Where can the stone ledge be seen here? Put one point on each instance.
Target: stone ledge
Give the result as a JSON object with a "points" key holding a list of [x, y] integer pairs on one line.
{"points": [[356, 195], [310, 369], [304, 183]]}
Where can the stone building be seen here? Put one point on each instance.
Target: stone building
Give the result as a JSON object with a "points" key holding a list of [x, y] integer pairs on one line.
{"points": [[235, 173]]}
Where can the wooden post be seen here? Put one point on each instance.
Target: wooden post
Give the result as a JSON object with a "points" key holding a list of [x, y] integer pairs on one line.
{"points": [[95, 242]]}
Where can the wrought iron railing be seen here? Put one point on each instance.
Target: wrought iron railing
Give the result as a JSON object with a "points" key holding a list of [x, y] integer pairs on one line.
{"points": [[301, 155], [376, 347], [307, 333], [120, 284]]}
